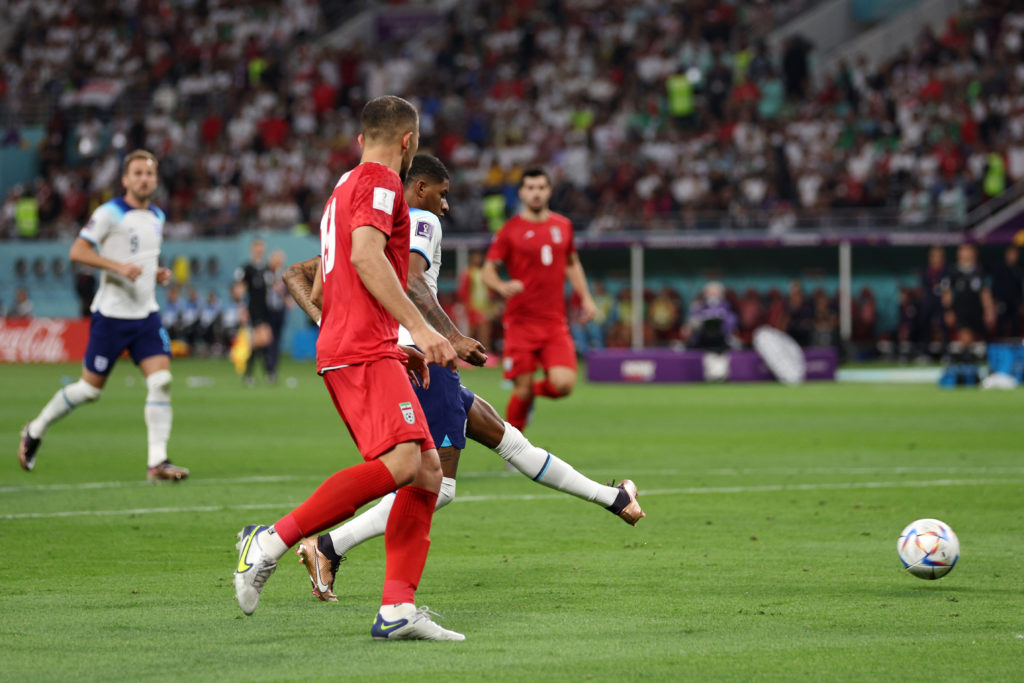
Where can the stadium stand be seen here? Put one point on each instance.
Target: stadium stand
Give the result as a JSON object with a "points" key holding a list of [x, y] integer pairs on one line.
{"points": [[662, 116], [652, 116]]}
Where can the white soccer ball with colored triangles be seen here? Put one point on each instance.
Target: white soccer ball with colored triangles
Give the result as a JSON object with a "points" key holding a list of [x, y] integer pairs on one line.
{"points": [[928, 549]]}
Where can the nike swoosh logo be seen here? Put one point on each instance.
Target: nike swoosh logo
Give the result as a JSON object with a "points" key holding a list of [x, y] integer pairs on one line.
{"points": [[388, 625], [242, 566], [320, 585]]}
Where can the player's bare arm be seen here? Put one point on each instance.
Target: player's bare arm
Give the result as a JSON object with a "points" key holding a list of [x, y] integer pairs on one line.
{"points": [[468, 349], [299, 278], [306, 287], [578, 280], [491, 278], [379, 278], [416, 366], [83, 252]]}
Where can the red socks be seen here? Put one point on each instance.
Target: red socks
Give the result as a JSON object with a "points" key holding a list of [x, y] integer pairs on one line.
{"points": [[543, 387], [336, 500], [406, 541], [517, 412]]}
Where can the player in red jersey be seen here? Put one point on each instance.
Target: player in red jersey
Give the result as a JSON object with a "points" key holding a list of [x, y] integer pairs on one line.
{"points": [[538, 252], [364, 236]]}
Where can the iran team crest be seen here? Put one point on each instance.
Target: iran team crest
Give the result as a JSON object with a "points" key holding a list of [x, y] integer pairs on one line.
{"points": [[407, 412]]}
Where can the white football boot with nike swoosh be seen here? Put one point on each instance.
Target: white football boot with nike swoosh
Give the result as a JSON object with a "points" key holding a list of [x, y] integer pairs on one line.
{"points": [[412, 623], [254, 568]]}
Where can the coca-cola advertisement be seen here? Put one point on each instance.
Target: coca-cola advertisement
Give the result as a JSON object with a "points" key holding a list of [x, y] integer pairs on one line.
{"points": [[43, 340]]}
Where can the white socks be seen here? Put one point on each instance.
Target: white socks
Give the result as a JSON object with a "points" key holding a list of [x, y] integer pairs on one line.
{"points": [[158, 415], [374, 521], [158, 411], [403, 610], [545, 468], [62, 403], [271, 544]]}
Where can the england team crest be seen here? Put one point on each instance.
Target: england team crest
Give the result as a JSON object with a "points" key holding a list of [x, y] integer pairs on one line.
{"points": [[407, 412]]}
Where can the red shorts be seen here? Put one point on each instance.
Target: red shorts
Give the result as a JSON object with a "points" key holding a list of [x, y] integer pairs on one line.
{"points": [[475, 317], [529, 345], [378, 405]]}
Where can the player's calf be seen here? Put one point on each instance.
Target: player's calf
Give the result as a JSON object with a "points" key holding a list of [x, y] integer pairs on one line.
{"points": [[63, 402], [159, 416]]}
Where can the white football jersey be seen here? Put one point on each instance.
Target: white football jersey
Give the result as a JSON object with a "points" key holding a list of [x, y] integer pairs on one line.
{"points": [[425, 240], [129, 235]]}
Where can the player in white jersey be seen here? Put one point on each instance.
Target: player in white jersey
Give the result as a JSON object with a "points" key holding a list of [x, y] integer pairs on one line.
{"points": [[452, 410], [122, 239]]}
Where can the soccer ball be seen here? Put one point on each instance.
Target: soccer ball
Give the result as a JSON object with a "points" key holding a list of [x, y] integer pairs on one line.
{"points": [[928, 549]]}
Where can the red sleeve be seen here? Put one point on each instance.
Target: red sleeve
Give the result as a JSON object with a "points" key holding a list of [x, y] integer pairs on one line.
{"points": [[572, 236], [375, 199], [498, 251]]}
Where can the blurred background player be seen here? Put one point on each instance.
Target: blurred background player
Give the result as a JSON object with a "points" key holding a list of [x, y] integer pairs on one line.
{"points": [[711, 322], [1008, 293], [122, 239], [967, 301], [257, 278], [475, 298], [453, 412], [538, 252], [276, 312], [365, 254]]}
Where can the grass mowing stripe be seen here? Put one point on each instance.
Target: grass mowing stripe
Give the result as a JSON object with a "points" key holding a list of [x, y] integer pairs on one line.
{"points": [[85, 486], [767, 488]]}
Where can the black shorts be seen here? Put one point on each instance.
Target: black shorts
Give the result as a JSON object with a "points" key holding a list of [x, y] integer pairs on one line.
{"points": [[259, 316], [970, 318]]}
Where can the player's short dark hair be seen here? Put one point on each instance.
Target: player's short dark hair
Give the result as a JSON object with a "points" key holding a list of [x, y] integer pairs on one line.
{"points": [[135, 156], [534, 173], [426, 167], [386, 118]]}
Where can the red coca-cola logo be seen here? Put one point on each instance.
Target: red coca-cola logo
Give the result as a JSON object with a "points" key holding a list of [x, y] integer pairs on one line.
{"points": [[42, 340]]}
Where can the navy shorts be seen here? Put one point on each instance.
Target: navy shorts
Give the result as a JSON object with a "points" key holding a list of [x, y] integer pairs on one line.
{"points": [[108, 337], [446, 405]]}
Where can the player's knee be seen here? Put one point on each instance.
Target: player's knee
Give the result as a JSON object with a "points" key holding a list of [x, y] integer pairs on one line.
{"points": [[81, 392], [429, 475], [523, 392], [159, 385], [404, 463], [563, 387]]}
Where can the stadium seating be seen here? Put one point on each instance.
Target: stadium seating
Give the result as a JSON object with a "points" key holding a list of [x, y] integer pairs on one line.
{"points": [[666, 116]]}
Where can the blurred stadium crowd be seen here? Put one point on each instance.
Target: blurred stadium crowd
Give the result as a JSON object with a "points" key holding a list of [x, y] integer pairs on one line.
{"points": [[651, 116], [668, 115]]}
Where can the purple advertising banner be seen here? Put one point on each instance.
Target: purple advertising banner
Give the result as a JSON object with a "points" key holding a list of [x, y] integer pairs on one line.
{"points": [[666, 365]]}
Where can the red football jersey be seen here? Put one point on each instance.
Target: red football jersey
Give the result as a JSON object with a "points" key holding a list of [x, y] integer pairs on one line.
{"points": [[354, 326], [536, 254]]}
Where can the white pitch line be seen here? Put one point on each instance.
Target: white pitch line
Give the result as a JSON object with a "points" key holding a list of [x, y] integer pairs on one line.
{"points": [[769, 488], [722, 472], [85, 486]]}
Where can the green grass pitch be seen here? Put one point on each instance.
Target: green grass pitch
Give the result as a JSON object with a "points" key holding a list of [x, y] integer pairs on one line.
{"points": [[768, 552]]}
